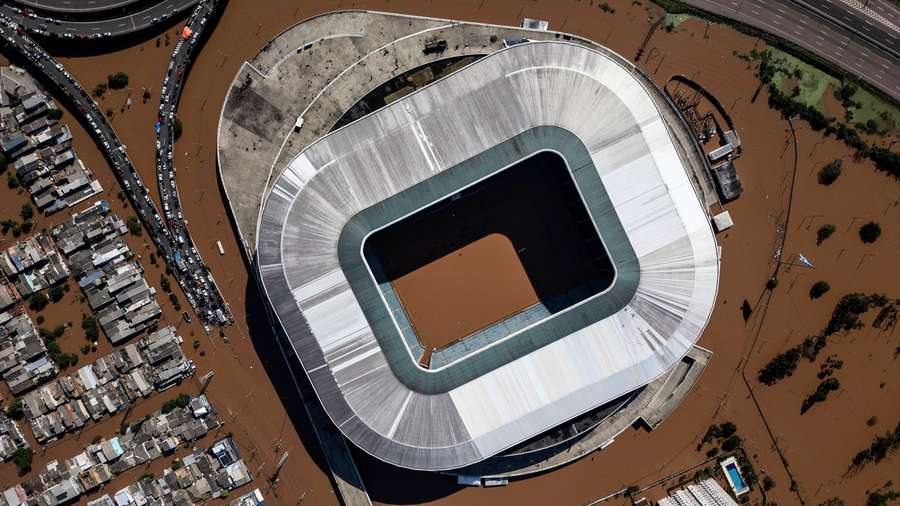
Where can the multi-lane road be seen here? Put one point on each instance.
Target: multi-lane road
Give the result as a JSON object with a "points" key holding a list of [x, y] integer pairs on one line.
{"points": [[76, 6], [819, 31], [96, 28], [193, 275]]}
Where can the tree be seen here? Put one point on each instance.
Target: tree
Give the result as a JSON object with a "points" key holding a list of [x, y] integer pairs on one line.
{"points": [[176, 128], [824, 232], [23, 457], [819, 289], [731, 443], [3, 162], [820, 394], [56, 293], [164, 283], [768, 483], [54, 114], [134, 225], [38, 301], [780, 367], [11, 181], [99, 90], [15, 409], [117, 81], [869, 232], [772, 283], [89, 325], [830, 172]]}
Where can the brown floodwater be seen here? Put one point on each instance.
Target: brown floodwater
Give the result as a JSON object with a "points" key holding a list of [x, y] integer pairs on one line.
{"points": [[253, 391]]}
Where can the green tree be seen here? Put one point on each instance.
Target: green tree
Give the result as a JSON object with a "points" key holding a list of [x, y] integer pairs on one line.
{"points": [[99, 90], [11, 181], [164, 283], [819, 289], [54, 114], [824, 232], [57, 293], [869, 232], [134, 225], [829, 173], [16, 410], [23, 457], [177, 128], [89, 325], [4, 163], [38, 301], [117, 81]]}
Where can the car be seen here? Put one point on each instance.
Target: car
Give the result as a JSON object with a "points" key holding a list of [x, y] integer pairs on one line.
{"points": [[172, 183], [180, 217], [158, 145]]}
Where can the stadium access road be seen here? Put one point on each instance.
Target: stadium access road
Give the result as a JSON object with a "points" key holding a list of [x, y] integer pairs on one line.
{"points": [[208, 304], [95, 29], [840, 44]]}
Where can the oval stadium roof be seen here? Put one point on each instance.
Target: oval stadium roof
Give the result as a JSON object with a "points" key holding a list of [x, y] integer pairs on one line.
{"points": [[585, 104]]}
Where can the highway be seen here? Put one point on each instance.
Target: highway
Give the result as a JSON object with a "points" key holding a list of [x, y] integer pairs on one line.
{"points": [[193, 276], [170, 94], [76, 6], [95, 29], [840, 43]]}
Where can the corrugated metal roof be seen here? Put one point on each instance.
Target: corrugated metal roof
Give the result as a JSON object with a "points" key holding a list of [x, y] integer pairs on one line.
{"points": [[590, 106]]}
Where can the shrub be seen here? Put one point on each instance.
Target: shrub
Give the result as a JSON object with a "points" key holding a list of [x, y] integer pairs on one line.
{"points": [[830, 172], [54, 114], [872, 421], [819, 289], [38, 301], [164, 283], [869, 232], [99, 90], [27, 212], [11, 181], [768, 483], [772, 283], [117, 81]]}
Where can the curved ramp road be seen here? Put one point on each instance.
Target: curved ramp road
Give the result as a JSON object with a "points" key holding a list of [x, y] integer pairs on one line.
{"points": [[94, 29], [76, 6], [201, 286], [194, 274]]}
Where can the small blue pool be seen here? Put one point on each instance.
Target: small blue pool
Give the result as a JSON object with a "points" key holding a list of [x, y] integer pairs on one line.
{"points": [[734, 476]]}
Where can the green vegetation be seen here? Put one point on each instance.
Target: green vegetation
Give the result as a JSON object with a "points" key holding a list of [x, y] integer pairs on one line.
{"points": [[164, 283], [881, 447], [174, 300], [63, 360], [179, 402], [771, 283], [22, 458], [11, 181], [177, 128], [870, 232], [15, 409], [57, 292], [834, 501], [845, 316], [117, 81], [824, 232], [820, 394], [134, 225], [872, 421], [780, 367], [819, 289], [54, 114], [830, 172], [4, 162], [768, 483], [37, 301], [882, 497], [99, 90], [90, 327]]}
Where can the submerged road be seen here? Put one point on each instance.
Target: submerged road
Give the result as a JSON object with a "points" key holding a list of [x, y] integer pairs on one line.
{"points": [[194, 277], [813, 26]]}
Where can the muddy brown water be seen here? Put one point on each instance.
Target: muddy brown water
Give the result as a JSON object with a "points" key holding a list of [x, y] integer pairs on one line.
{"points": [[254, 393]]}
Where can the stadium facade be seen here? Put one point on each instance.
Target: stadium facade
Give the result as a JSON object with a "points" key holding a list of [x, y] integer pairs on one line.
{"points": [[591, 108]]}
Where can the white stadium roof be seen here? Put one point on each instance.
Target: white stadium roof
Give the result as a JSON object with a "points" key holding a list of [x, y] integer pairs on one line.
{"points": [[589, 105]]}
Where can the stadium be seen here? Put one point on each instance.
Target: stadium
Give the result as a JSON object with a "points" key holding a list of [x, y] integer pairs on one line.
{"points": [[491, 257]]}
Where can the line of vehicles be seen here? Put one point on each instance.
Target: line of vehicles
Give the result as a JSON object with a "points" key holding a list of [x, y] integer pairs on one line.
{"points": [[174, 242], [49, 26]]}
